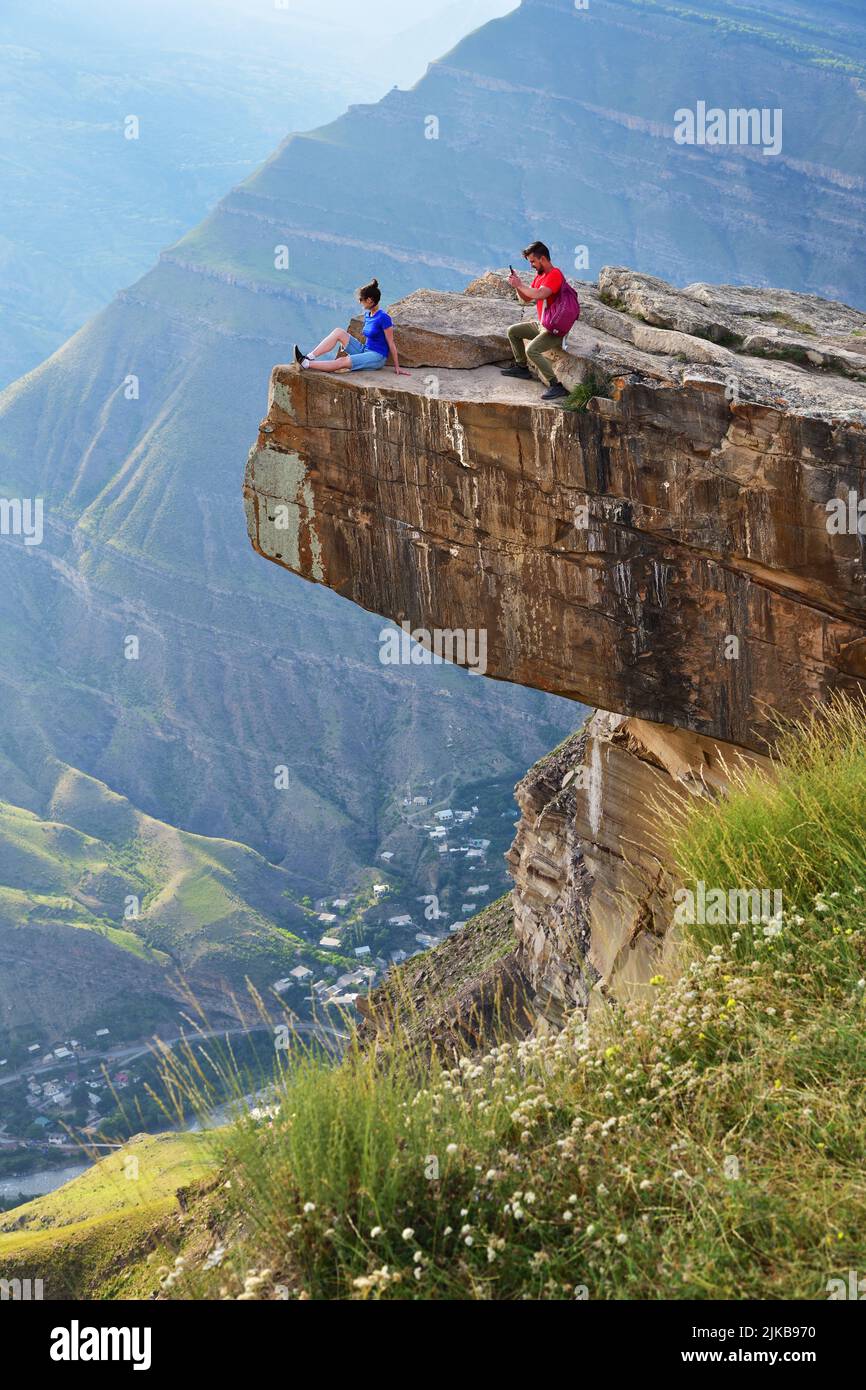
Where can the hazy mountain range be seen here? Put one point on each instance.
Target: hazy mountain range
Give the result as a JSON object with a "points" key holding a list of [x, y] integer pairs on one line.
{"points": [[214, 84], [550, 121]]}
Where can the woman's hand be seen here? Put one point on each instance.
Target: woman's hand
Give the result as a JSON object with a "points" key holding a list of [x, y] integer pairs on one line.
{"points": [[401, 371]]}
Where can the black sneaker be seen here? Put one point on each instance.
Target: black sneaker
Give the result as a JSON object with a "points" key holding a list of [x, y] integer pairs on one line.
{"points": [[299, 356], [555, 392], [522, 373]]}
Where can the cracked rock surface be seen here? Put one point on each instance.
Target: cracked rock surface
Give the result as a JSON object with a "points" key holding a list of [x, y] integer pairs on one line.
{"points": [[592, 894]]}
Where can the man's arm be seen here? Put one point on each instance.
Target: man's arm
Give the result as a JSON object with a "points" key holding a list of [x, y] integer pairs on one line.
{"points": [[526, 293]]}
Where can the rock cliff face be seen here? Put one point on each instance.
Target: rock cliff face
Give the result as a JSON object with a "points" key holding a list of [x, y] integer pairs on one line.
{"points": [[592, 887], [667, 553], [664, 553]]}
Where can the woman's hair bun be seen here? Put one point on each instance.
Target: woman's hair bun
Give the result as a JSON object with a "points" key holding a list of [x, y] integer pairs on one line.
{"points": [[370, 291]]}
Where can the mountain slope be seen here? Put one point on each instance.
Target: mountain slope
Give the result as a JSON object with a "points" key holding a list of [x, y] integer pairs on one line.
{"points": [[561, 122], [102, 909], [213, 85]]}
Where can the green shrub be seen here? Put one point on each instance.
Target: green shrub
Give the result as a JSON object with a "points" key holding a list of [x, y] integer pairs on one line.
{"points": [[596, 384]]}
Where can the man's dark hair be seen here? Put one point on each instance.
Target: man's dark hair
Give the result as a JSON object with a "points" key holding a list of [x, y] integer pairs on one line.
{"points": [[370, 291], [537, 248]]}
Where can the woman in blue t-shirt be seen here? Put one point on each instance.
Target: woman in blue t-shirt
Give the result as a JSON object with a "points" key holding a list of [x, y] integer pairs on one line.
{"points": [[352, 355]]}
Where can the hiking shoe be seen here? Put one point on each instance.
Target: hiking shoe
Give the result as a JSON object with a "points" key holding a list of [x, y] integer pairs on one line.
{"points": [[300, 357], [522, 373], [555, 392]]}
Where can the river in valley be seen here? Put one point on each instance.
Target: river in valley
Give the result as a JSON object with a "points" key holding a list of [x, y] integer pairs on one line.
{"points": [[38, 1184]]}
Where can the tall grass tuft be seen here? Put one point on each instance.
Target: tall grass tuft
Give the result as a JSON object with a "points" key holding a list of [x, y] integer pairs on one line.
{"points": [[799, 830], [595, 384]]}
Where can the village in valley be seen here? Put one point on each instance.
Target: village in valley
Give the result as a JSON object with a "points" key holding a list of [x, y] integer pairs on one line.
{"points": [[57, 1099], [456, 858], [442, 865], [80, 1099]]}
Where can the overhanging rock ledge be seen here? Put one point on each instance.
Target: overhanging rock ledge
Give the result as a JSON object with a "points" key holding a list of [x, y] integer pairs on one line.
{"points": [[664, 554]]}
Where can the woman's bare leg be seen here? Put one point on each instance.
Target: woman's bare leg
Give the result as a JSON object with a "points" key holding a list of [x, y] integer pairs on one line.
{"points": [[328, 344], [338, 364]]}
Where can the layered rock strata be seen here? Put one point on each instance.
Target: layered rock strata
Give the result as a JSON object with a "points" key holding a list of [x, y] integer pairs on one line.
{"points": [[684, 549], [664, 553], [592, 898]]}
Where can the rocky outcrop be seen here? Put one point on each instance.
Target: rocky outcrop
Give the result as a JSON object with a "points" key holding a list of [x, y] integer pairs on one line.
{"points": [[664, 551], [592, 898], [451, 330], [469, 989]]}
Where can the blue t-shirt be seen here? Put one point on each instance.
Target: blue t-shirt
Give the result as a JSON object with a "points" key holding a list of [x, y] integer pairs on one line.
{"points": [[374, 330]]}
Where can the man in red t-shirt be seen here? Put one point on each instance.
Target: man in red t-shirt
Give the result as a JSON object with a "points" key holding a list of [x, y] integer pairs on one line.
{"points": [[529, 339]]}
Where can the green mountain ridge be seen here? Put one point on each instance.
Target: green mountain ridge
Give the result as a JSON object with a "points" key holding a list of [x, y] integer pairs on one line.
{"points": [[162, 905]]}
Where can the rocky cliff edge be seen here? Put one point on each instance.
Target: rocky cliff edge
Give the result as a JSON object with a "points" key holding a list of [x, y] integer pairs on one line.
{"points": [[682, 551]]}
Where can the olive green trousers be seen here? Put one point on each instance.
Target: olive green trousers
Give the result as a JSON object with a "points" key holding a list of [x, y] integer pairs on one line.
{"points": [[529, 340]]}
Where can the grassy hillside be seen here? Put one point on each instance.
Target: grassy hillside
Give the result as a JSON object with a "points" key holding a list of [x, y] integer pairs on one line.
{"points": [[102, 1234], [150, 1167], [705, 1146], [704, 1142], [156, 900]]}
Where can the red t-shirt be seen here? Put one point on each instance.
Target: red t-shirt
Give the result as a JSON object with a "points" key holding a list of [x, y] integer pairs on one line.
{"points": [[555, 280]]}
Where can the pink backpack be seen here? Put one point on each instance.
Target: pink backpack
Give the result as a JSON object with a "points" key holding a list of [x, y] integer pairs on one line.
{"points": [[561, 311]]}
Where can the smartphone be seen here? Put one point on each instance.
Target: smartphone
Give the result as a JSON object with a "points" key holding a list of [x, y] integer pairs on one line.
{"points": [[511, 268]]}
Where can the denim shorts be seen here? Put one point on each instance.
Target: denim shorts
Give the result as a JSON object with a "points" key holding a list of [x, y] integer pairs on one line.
{"points": [[363, 358]]}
